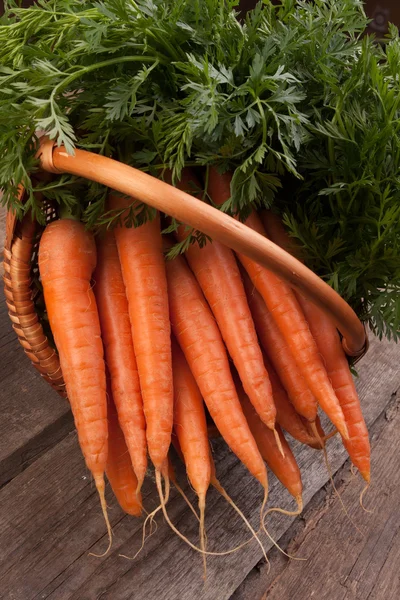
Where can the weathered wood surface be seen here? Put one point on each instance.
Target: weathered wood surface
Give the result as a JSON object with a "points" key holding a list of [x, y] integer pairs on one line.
{"points": [[33, 418], [342, 563], [50, 517]]}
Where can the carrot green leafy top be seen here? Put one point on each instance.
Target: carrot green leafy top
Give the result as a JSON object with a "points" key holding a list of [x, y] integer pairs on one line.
{"points": [[293, 99]]}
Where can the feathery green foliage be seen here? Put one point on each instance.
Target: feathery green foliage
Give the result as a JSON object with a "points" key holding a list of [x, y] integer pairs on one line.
{"points": [[294, 100]]}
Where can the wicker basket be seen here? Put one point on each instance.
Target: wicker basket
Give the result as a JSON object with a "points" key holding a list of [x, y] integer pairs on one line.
{"points": [[24, 298], [21, 278]]}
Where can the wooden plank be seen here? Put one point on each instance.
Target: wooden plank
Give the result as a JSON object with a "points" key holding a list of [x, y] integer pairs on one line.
{"points": [[50, 521], [342, 563], [33, 416], [294, 541]]}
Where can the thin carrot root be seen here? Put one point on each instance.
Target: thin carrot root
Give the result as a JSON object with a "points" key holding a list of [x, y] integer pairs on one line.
{"points": [[186, 499], [330, 435], [317, 436], [153, 522], [179, 534], [202, 533], [100, 486], [289, 513], [150, 517], [346, 512], [226, 496], [165, 474], [264, 504], [367, 510], [278, 443]]}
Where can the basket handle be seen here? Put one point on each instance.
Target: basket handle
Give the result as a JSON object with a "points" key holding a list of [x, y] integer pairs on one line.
{"points": [[214, 223]]}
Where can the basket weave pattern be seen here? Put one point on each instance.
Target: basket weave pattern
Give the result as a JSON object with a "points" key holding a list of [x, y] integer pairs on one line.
{"points": [[24, 296]]}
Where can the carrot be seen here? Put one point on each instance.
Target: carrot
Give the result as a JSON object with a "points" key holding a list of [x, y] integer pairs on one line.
{"points": [[172, 475], [190, 422], [191, 429], [286, 416], [143, 271], [285, 467], [358, 444], [276, 232], [330, 348], [282, 303], [109, 290], [274, 344], [216, 270], [119, 469], [216, 484], [199, 337], [67, 259]]}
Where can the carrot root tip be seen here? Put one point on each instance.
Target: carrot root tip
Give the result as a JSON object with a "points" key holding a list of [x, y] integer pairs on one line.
{"points": [[336, 491], [275, 543], [139, 488], [254, 535], [278, 442], [290, 513], [202, 532], [315, 431], [186, 499], [367, 510], [150, 517], [100, 486]]}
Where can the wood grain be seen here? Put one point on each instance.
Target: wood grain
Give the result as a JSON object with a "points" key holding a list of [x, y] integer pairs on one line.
{"points": [[342, 563], [33, 416], [318, 519], [51, 521]]}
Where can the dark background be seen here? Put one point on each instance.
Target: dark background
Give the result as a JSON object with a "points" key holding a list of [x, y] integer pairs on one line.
{"points": [[381, 12]]}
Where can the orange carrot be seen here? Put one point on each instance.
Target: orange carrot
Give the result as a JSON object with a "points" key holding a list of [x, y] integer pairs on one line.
{"points": [[284, 467], [276, 232], [112, 304], [199, 337], [142, 263], [330, 348], [216, 270], [216, 484], [190, 423], [278, 351], [286, 415], [282, 303], [119, 469], [67, 259], [191, 429]]}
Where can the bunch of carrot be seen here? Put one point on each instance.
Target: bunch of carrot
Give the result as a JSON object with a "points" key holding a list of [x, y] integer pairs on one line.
{"points": [[147, 344]]}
